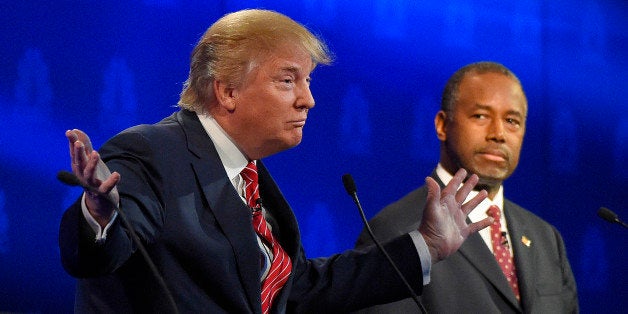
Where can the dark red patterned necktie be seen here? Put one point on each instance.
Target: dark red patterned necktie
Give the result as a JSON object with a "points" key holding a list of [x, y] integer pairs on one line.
{"points": [[501, 250], [281, 265]]}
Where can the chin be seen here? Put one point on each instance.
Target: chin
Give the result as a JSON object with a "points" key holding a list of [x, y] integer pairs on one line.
{"points": [[295, 140], [488, 182], [492, 178], [289, 144]]}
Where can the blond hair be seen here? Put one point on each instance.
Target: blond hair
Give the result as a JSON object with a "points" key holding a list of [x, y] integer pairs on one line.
{"points": [[229, 47]]}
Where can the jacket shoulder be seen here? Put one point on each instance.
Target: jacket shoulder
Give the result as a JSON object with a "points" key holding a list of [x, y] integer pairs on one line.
{"points": [[396, 219]]}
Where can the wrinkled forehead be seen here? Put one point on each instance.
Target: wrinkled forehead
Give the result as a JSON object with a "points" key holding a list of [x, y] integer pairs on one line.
{"points": [[492, 84], [284, 55]]}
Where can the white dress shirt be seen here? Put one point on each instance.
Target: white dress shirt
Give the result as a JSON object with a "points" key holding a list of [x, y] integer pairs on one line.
{"points": [[479, 212]]}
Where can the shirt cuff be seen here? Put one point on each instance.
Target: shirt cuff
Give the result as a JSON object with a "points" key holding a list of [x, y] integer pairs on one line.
{"points": [[424, 254], [101, 233]]}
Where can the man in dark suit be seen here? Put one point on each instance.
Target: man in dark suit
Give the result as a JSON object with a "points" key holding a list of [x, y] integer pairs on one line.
{"points": [[481, 126], [190, 187]]}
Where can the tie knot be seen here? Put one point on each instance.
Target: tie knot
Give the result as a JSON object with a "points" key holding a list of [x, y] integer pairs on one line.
{"points": [[493, 211], [249, 173], [251, 185]]}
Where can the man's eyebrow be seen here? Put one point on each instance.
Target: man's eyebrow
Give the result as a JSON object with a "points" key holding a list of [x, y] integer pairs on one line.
{"points": [[515, 113], [290, 68], [509, 112]]}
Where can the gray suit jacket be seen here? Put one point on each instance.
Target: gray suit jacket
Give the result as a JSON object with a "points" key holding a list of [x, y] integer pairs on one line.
{"points": [[470, 280]]}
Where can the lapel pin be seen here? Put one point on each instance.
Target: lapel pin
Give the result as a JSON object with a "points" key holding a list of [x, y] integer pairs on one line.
{"points": [[526, 241]]}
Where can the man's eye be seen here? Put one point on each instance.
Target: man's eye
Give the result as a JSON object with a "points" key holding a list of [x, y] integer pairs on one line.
{"points": [[513, 121]]}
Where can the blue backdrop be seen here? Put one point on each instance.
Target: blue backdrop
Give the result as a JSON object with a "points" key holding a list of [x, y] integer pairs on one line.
{"points": [[105, 65]]}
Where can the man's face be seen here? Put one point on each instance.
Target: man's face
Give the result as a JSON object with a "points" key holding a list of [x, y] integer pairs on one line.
{"points": [[272, 103], [484, 132]]}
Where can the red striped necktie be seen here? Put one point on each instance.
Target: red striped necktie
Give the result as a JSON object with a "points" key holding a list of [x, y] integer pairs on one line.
{"points": [[281, 265], [501, 250]]}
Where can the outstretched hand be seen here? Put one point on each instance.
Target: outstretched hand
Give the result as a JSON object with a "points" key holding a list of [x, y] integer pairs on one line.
{"points": [[92, 171], [444, 225]]}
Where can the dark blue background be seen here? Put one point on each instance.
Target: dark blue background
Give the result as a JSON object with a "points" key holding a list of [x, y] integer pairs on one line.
{"points": [[105, 65]]}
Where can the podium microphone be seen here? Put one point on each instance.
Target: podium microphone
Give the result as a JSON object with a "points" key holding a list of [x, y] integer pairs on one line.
{"points": [[610, 216], [347, 181], [71, 179]]}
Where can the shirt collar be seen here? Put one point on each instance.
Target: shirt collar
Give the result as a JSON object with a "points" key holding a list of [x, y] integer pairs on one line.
{"points": [[479, 212], [232, 158]]}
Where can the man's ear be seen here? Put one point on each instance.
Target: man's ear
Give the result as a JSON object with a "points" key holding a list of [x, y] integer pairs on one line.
{"points": [[440, 124], [224, 95]]}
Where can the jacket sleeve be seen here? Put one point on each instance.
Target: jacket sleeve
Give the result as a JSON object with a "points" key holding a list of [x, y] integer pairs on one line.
{"points": [[355, 279], [81, 256]]}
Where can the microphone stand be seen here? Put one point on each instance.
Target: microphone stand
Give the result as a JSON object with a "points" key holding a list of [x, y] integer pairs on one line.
{"points": [[70, 179], [349, 184]]}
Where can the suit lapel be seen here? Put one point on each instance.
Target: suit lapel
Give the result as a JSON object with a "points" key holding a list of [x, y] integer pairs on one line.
{"points": [[281, 213], [225, 204], [522, 245], [285, 227], [475, 251]]}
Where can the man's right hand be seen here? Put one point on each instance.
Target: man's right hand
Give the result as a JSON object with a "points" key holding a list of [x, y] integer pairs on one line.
{"points": [[92, 171], [444, 225]]}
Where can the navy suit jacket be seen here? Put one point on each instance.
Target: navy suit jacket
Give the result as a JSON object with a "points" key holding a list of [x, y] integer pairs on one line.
{"points": [[198, 232], [470, 280]]}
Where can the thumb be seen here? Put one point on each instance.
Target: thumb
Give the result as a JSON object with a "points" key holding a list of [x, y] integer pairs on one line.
{"points": [[433, 190]]}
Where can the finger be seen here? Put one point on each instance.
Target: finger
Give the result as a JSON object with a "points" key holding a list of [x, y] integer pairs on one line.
{"points": [[72, 138], [479, 225], [433, 192], [75, 135], [79, 158], [474, 202], [466, 188], [110, 183], [455, 182], [82, 136], [89, 172]]}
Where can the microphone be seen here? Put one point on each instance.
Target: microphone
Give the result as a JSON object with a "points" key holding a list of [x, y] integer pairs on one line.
{"points": [[349, 184], [505, 239], [68, 178], [610, 216], [71, 179]]}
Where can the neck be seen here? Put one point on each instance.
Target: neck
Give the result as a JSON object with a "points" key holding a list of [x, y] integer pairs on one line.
{"points": [[492, 189]]}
